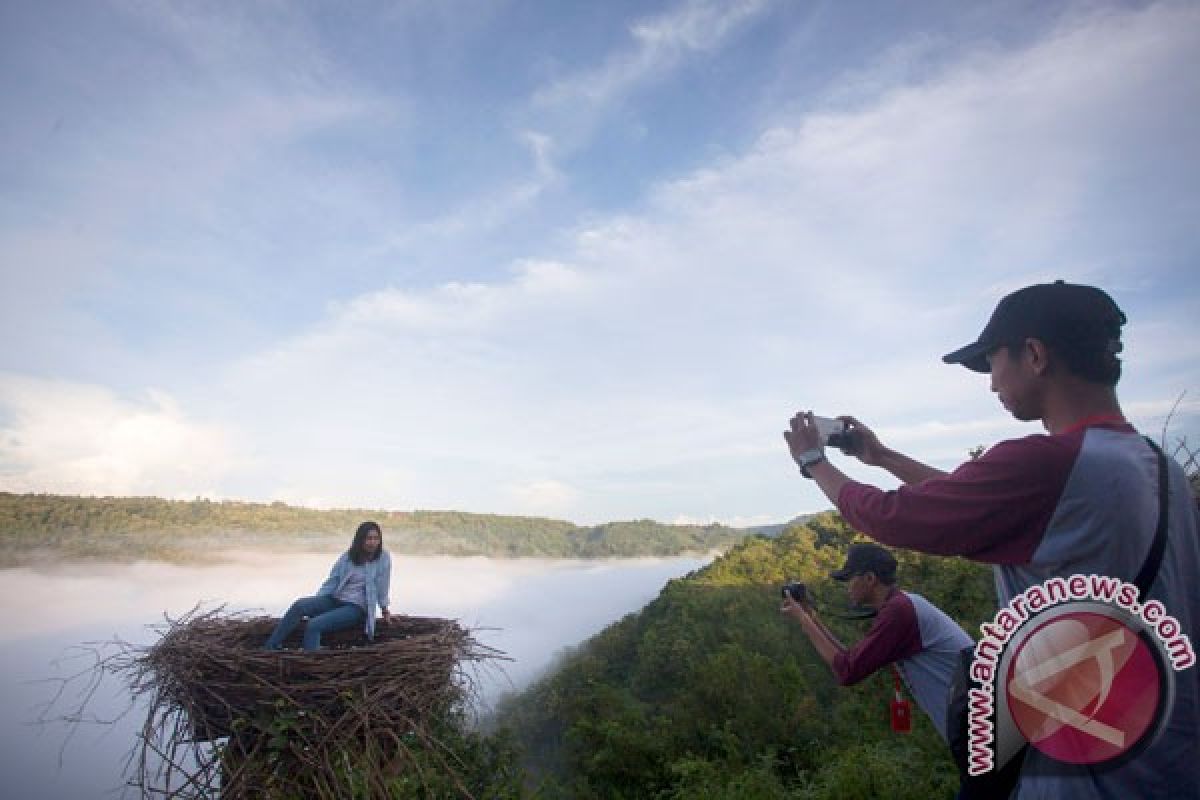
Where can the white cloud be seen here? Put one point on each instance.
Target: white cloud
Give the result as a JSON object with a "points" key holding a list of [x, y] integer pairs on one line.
{"points": [[569, 109], [544, 498], [181, 152], [786, 276], [659, 44], [77, 439], [540, 147], [459, 306], [644, 364]]}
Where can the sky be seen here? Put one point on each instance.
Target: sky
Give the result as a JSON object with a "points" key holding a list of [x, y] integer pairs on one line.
{"points": [[576, 260]]}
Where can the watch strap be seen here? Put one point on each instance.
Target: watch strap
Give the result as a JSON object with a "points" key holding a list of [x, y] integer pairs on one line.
{"points": [[808, 459]]}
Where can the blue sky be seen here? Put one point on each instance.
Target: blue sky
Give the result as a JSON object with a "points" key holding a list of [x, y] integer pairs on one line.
{"points": [[580, 260]]}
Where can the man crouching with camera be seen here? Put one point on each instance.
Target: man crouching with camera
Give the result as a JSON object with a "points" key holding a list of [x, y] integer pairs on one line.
{"points": [[908, 631]]}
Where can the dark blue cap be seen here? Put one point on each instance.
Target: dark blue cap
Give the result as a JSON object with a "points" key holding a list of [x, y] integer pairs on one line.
{"points": [[867, 557], [1056, 313]]}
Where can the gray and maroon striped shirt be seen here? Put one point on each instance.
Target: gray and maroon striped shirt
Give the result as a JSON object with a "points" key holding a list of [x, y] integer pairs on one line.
{"points": [[923, 643], [1084, 501]]}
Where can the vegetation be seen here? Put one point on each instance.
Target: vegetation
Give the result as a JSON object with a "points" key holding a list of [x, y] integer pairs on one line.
{"points": [[34, 526], [709, 693], [706, 693]]}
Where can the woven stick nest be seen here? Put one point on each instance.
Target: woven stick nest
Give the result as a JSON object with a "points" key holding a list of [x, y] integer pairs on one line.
{"points": [[214, 668], [228, 718]]}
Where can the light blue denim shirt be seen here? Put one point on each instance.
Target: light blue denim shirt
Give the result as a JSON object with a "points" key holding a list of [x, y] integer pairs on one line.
{"points": [[378, 579]]}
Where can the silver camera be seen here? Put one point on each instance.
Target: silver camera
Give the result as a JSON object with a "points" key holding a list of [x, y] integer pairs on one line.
{"points": [[834, 433]]}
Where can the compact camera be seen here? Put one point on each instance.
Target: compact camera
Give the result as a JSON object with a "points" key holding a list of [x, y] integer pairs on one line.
{"points": [[834, 433], [797, 591]]}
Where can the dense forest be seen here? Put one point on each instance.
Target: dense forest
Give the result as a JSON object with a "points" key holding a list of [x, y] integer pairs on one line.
{"points": [[709, 692], [37, 526]]}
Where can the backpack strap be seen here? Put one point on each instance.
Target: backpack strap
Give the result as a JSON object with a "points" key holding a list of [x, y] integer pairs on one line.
{"points": [[1149, 569]]}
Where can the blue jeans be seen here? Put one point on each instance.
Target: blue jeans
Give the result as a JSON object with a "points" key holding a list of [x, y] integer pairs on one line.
{"points": [[324, 614]]}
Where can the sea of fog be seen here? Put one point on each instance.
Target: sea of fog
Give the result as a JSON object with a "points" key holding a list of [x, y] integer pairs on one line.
{"points": [[530, 608]]}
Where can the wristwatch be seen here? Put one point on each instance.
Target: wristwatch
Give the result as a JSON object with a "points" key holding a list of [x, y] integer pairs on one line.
{"points": [[808, 458]]}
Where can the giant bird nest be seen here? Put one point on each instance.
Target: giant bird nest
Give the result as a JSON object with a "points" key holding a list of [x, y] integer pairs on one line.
{"points": [[227, 718]]}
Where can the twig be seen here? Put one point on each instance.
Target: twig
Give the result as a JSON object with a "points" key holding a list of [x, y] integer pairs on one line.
{"points": [[1170, 416]]}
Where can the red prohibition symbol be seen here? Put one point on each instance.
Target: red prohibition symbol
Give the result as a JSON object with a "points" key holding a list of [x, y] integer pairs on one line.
{"points": [[1085, 688]]}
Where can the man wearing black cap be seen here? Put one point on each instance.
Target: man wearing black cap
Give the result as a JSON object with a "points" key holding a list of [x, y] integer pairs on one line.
{"points": [[1083, 500], [907, 631]]}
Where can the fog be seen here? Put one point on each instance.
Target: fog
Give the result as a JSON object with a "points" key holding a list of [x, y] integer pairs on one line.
{"points": [[531, 609]]}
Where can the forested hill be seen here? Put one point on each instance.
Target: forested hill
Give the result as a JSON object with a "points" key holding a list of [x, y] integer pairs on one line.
{"points": [[35, 526], [709, 692]]}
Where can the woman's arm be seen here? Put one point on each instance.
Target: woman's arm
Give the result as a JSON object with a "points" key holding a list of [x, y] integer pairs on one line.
{"points": [[383, 583], [336, 572]]}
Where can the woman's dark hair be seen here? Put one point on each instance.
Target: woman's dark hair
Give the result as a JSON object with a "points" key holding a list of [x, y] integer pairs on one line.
{"points": [[356, 551]]}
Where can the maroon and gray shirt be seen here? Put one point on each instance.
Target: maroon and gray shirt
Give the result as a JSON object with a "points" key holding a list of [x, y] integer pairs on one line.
{"points": [[1084, 501], [920, 640]]}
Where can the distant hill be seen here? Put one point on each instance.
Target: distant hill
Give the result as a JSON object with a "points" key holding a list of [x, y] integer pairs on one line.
{"points": [[34, 527], [771, 531], [709, 693]]}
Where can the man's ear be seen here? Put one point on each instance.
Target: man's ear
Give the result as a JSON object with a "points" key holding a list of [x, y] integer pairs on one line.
{"points": [[1035, 353]]}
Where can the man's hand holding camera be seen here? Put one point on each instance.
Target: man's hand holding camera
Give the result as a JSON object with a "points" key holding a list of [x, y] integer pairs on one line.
{"points": [[808, 436], [863, 443], [796, 602]]}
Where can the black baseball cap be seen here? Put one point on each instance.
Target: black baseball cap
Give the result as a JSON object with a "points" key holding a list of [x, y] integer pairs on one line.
{"points": [[1056, 312], [866, 557]]}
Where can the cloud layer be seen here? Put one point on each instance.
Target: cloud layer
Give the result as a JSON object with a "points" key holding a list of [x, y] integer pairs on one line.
{"points": [[524, 352], [83, 439]]}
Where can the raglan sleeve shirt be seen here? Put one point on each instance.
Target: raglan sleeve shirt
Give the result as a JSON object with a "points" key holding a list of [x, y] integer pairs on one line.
{"points": [[994, 508], [894, 635], [333, 582]]}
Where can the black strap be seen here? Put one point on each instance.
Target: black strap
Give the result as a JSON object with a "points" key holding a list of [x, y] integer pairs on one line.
{"points": [[1149, 570]]}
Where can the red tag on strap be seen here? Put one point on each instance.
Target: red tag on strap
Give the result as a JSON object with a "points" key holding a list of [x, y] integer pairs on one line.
{"points": [[901, 716], [901, 708]]}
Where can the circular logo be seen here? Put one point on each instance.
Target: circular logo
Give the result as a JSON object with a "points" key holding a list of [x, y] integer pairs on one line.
{"points": [[1085, 688]]}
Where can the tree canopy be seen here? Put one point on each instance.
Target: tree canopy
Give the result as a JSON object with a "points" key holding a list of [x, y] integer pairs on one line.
{"points": [[709, 692]]}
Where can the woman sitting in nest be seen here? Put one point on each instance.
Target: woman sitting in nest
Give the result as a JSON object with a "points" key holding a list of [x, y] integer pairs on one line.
{"points": [[356, 585]]}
